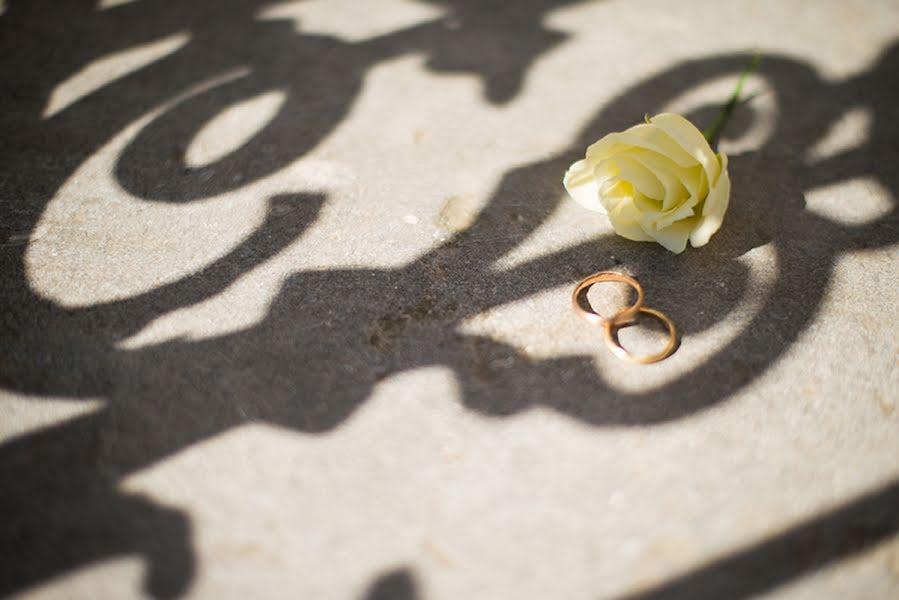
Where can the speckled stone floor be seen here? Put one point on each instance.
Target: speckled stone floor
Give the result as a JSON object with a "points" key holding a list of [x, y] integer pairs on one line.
{"points": [[284, 307]]}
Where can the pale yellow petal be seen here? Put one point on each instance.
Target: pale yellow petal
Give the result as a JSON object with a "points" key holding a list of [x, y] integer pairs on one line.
{"points": [[648, 207], [675, 236], [643, 180], [714, 208], [680, 182], [645, 136], [691, 140], [613, 191], [684, 211], [695, 181], [624, 220], [686, 208], [605, 170], [667, 172], [582, 186]]}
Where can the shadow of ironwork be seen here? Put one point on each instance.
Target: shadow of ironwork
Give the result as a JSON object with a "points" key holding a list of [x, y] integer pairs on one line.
{"points": [[328, 339]]}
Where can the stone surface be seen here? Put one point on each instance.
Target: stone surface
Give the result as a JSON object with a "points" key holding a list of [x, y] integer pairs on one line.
{"points": [[285, 304]]}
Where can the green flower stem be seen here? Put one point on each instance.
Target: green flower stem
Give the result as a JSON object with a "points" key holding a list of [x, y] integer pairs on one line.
{"points": [[714, 130]]}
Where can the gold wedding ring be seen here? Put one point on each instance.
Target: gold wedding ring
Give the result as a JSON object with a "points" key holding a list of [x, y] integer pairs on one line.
{"points": [[623, 317], [619, 351]]}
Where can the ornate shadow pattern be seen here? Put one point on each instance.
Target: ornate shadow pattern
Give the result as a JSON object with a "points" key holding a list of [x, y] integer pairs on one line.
{"points": [[331, 335]]}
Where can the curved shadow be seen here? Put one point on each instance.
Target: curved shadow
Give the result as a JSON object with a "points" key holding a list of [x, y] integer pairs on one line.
{"points": [[398, 584], [327, 340], [51, 350], [318, 92], [809, 545], [321, 76]]}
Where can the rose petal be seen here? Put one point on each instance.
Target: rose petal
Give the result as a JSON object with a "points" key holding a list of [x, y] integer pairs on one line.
{"points": [[648, 207], [714, 208], [686, 208], [680, 182], [645, 136], [684, 211], [613, 191], [674, 237], [643, 180], [667, 172], [581, 185], [691, 140], [624, 220]]}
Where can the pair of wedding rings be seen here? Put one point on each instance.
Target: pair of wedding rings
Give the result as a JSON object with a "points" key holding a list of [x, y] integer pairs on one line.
{"points": [[625, 316]]}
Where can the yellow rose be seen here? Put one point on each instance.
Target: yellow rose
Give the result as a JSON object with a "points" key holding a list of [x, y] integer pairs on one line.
{"points": [[657, 181]]}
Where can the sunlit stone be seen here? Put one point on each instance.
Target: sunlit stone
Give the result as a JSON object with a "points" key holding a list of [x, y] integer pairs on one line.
{"points": [[101, 72], [341, 18], [233, 127], [853, 202]]}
